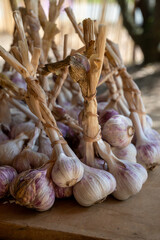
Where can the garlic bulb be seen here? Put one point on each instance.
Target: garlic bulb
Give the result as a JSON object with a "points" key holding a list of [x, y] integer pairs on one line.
{"points": [[129, 176], [28, 159], [100, 107], [118, 131], [148, 151], [45, 145], [10, 149], [25, 127], [33, 189], [67, 171], [7, 174], [152, 134], [94, 187], [62, 192], [128, 153], [106, 115]]}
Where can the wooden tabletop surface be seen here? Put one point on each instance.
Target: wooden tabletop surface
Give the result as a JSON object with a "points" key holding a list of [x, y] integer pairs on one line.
{"points": [[137, 218]]}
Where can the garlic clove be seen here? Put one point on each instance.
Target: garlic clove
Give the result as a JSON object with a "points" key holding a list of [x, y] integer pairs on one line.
{"points": [[64, 192], [128, 153], [94, 187], [67, 171], [33, 189], [28, 159], [118, 131], [7, 174]]}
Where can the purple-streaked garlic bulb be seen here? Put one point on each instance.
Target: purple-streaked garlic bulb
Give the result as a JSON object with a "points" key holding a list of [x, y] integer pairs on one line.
{"points": [[98, 163], [94, 187], [118, 131], [67, 171], [129, 176], [10, 149], [26, 127], [64, 192], [7, 174], [106, 115], [34, 189], [28, 159], [148, 150], [18, 80], [128, 153], [45, 145]]}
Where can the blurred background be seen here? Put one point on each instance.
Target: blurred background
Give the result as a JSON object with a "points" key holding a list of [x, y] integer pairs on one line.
{"points": [[133, 24]]}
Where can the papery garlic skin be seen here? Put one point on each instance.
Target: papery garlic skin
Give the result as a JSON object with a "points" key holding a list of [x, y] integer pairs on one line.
{"points": [[149, 121], [94, 187], [33, 189], [129, 177], [7, 174], [128, 153], [45, 145], [3, 137], [118, 131], [67, 171], [148, 154], [63, 192], [28, 159]]}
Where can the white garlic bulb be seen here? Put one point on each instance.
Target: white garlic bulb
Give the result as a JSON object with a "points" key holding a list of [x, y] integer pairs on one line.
{"points": [[94, 187], [129, 177], [67, 171], [128, 153], [10, 149], [118, 131]]}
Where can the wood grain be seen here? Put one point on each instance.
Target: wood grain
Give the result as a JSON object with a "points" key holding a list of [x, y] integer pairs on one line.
{"points": [[135, 219]]}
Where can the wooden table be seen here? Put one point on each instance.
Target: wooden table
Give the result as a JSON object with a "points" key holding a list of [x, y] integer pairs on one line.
{"points": [[137, 218]]}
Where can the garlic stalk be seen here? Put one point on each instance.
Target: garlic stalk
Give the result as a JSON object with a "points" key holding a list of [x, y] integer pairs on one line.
{"points": [[10, 149], [129, 176], [34, 189], [7, 174], [28, 158]]}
